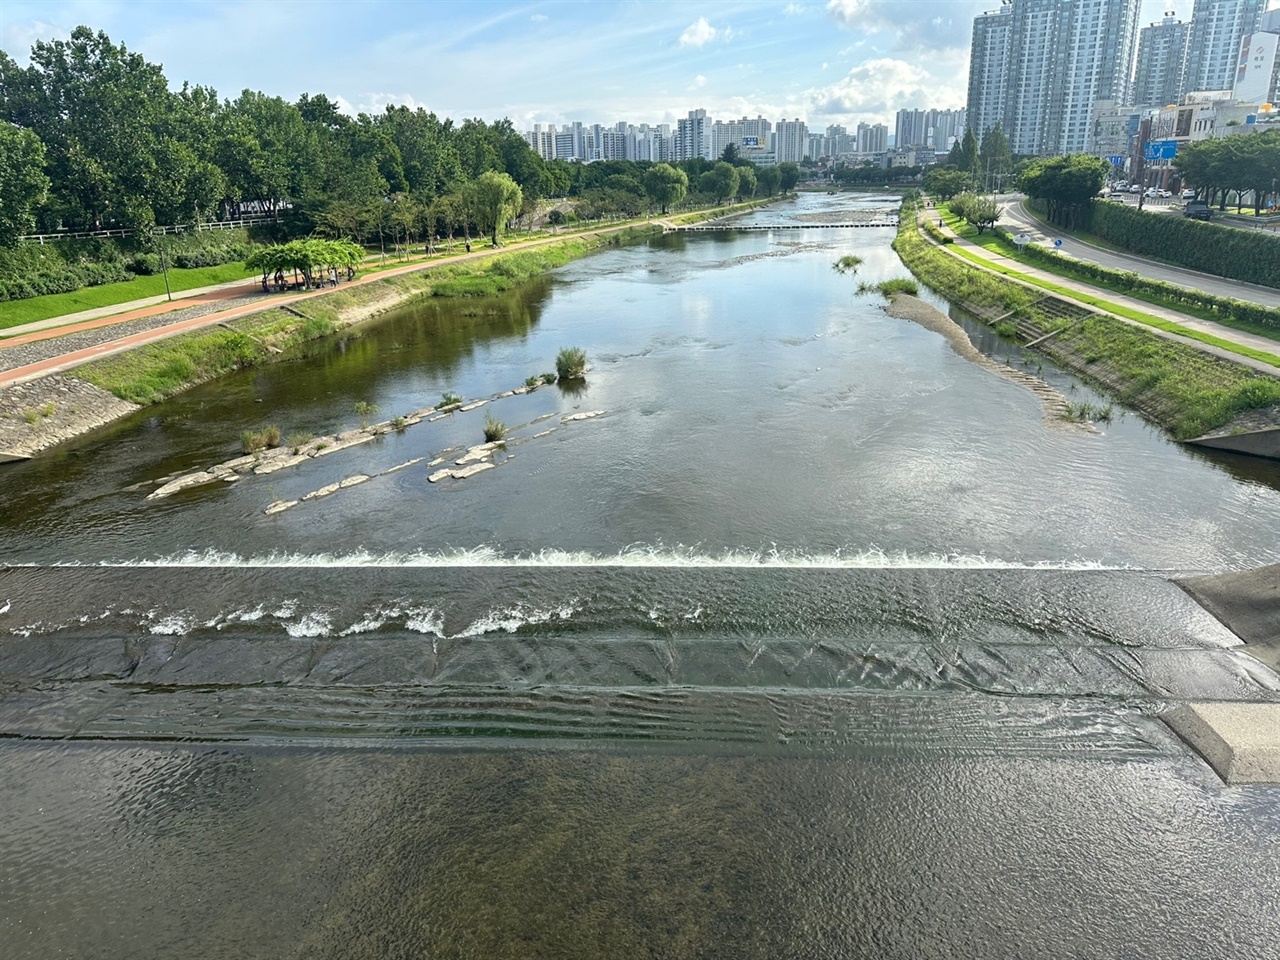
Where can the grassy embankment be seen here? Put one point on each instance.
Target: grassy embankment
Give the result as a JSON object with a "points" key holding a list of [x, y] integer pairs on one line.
{"points": [[158, 370], [1185, 390], [1118, 281], [14, 313]]}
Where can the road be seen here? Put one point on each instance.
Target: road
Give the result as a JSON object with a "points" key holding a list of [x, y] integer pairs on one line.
{"points": [[1017, 219]]}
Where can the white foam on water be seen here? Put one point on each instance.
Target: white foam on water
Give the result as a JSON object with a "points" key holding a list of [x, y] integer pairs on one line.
{"points": [[371, 622], [511, 619], [173, 625], [640, 555], [314, 624], [426, 620]]}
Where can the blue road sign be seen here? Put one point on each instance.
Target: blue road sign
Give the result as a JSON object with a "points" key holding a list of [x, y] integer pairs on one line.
{"points": [[1160, 150], [1057, 243], [1116, 161]]}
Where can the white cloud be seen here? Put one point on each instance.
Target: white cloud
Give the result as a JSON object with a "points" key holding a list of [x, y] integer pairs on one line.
{"points": [[876, 89], [698, 33], [539, 18], [850, 13], [795, 9], [698, 82]]}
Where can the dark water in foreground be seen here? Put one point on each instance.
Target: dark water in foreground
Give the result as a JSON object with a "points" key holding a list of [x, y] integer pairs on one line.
{"points": [[819, 643]]}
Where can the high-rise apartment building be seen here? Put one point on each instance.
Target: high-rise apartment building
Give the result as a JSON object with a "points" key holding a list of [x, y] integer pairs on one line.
{"points": [[911, 128], [1041, 75], [1162, 62], [1257, 69], [693, 136], [739, 131], [1217, 27], [872, 138], [989, 69], [791, 141]]}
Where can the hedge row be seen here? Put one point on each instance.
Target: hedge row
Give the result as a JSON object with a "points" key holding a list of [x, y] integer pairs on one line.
{"points": [[1221, 308], [1251, 256], [63, 266]]}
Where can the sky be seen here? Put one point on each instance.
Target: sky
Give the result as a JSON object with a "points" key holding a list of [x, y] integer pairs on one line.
{"points": [[823, 61]]}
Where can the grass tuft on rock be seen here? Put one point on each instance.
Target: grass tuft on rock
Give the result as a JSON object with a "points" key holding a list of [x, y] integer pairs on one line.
{"points": [[571, 363], [494, 429]]}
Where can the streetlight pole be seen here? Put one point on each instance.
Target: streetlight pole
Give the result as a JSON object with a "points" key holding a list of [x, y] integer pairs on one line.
{"points": [[164, 268]]}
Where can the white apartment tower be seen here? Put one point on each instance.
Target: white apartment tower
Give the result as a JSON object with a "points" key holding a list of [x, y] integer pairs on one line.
{"points": [[872, 138], [1042, 78], [1217, 27], [1162, 63], [911, 128], [791, 140], [989, 69], [693, 136]]}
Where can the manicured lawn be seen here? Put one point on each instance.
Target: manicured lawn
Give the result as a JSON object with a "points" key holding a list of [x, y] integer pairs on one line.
{"points": [[1121, 311], [17, 312], [998, 245]]}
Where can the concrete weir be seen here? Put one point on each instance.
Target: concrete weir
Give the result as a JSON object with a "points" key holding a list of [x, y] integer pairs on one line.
{"points": [[1241, 741]]}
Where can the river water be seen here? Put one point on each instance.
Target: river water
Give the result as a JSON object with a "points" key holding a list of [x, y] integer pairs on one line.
{"points": [[818, 642]]}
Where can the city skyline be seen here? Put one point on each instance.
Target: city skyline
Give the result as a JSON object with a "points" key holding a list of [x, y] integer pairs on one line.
{"points": [[556, 62]]}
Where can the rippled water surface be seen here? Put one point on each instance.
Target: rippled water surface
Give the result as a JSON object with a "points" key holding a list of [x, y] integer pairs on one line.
{"points": [[819, 642]]}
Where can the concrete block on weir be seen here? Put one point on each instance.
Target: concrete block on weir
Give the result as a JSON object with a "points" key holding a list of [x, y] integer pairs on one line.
{"points": [[1241, 741]]}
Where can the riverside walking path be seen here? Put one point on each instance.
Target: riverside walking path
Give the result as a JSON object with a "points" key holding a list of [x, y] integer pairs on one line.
{"points": [[1229, 334], [59, 327]]}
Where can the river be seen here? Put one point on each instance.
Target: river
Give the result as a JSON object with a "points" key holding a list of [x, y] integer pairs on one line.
{"points": [[818, 642]]}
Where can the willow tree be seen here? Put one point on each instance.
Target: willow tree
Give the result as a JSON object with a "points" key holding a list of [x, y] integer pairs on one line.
{"points": [[493, 199], [665, 185]]}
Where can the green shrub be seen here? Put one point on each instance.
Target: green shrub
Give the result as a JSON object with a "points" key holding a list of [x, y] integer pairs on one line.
{"points": [[534, 381], [571, 363], [251, 442], [365, 411], [898, 285], [494, 430], [549, 378], [450, 399], [271, 436]]}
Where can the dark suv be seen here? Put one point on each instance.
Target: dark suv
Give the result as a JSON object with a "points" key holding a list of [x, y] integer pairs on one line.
{"points": [[1198, 210]]}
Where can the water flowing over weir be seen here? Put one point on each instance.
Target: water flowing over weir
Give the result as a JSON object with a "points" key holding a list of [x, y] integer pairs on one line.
{"points": [[817, 643]]}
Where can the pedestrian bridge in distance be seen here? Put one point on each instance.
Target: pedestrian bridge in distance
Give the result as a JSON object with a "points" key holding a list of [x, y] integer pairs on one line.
{"points": [[759, 227]]}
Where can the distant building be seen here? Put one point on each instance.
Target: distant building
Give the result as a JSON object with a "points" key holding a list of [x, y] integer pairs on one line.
{"points": [[1039, 66], [1217, 27], [1257, 77], [1162, 63], [791, 141], [693, 136], [872, 138]]}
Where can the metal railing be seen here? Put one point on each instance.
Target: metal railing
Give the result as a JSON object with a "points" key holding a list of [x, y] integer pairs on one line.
{"points": [[155, 231]]}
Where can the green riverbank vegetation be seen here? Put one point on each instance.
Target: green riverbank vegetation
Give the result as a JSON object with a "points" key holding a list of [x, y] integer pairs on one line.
{"points": [[847, 264], [158, 370], [494, 429], [1183, 389], [571, 363]]}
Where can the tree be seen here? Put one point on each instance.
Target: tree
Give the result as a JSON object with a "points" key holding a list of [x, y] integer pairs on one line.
{"points": [[967, 159], [789, 174], [730, 153], [23, 184], [994, 157], [981, 212], [721, 181], [944, 184], [665, 185], [768, 180], [747, 182], [493, 199], [1066, 184]]}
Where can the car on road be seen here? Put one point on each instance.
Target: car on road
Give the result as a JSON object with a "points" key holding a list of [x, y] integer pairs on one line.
{"points": [[1135, 188], [1164, 194], [1198, 210], [1151, 193], [1188, 194]]}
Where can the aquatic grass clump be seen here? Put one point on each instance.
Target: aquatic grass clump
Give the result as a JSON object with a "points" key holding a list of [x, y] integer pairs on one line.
{"points": [[571, 363], [549, 378], [494, 429], [450, 399], [365, 411], [533, 382], [253, 441], [1086, 412], [299, 440], [847, 264], [898, 285]]}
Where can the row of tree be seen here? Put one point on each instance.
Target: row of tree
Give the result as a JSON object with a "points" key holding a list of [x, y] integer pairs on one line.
{"points": [[96, 138], [1243, 164]]}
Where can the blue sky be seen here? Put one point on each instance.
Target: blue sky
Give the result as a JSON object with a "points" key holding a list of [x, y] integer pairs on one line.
{"points": [[825, 61]]}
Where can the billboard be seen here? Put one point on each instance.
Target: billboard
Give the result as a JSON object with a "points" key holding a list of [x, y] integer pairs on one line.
{"points": [[751, 141], [1256, 67]]}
